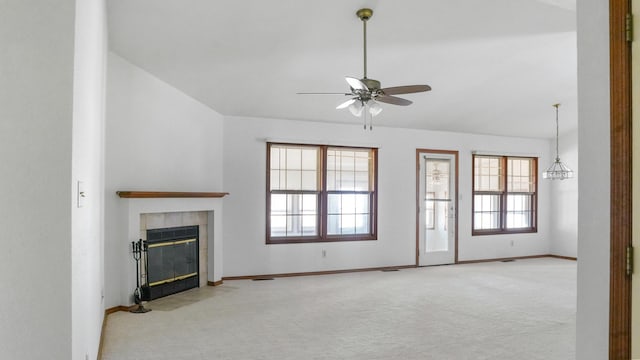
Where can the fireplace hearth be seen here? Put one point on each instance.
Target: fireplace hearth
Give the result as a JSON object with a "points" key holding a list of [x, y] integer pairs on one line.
{"points": [[172, 261]]}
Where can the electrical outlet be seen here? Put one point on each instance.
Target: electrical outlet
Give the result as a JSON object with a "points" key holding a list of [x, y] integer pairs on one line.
{"points": [[511, 243], [324, 253]]}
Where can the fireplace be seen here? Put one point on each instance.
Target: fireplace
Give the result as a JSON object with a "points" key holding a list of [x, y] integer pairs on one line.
{"points": [[172, 260], [144, 210]]}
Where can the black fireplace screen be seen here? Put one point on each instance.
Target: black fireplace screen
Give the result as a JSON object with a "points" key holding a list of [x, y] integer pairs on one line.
{"points": [[172, 261]]}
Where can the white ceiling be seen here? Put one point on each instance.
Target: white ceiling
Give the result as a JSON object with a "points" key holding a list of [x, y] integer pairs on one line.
{"points": [[495, 66]]}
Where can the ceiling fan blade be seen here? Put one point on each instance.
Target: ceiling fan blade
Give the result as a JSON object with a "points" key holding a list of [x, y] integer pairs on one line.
{"points": [[322, 93], [356, 83], [345, 104], [405, 89], [393, 100]]}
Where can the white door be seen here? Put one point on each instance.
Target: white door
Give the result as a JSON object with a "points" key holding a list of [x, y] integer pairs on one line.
{"points": [[437, 202]]}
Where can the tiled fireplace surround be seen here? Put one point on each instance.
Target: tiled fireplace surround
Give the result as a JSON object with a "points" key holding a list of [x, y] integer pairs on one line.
{"points": [[154, 213]]}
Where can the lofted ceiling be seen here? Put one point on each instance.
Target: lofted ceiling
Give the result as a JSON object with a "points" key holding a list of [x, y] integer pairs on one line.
{"points": [[495, 66]]}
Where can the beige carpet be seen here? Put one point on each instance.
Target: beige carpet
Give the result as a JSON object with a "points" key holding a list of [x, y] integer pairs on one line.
{"points": [[523, 309]]}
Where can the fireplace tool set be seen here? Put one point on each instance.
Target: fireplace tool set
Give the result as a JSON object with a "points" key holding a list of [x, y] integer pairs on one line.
{"points": [[137, 249]]}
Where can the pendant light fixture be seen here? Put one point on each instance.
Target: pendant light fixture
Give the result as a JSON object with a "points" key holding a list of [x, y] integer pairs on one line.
{"points": [[558, 170]]}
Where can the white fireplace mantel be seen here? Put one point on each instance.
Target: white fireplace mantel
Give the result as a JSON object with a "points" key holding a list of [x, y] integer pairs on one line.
{"points": [[147, 202]]}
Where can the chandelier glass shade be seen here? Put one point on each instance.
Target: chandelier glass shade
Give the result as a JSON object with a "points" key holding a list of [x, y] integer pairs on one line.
{"points": [[357, 106], [558, 170], [366, 109], [374, 108]]}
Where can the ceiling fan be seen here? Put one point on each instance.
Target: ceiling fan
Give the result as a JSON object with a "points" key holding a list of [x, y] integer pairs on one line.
{"points": [[366, 93]]}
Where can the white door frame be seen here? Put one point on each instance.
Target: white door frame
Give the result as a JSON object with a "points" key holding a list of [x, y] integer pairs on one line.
{"points": [[454, 153]]}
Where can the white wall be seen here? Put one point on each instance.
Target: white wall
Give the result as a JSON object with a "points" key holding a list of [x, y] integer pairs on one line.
{"points": [[592, 319], [564, 199], [245, 251], [157, 138], [87, 268], [36, 95]]}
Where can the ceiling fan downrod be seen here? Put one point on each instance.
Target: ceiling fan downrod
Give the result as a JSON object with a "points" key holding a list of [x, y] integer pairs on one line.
{"points": [[364, 15]]}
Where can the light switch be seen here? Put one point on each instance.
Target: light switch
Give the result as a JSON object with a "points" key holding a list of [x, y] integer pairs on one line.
{"points": [[82, 195]]}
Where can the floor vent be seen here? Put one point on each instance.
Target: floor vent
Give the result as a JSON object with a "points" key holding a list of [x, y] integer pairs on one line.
{"points": [[262, 278], [387, 270], [508, 260]]}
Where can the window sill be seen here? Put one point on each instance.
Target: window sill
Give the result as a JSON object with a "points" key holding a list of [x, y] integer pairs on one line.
{"points": [[301, 240], [503, 232]]}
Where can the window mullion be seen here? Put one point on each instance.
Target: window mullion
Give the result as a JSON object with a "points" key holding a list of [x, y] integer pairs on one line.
{"points": [[505, 192], [503, 211], [373, 216], [473, 194], [322, 217]]}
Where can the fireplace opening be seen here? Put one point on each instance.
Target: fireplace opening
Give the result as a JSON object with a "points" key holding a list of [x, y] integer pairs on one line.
{"points": [[172, 261]]}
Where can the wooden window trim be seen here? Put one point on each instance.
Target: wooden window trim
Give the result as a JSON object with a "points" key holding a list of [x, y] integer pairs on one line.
{"points": [[323, 200], [503, 199]]}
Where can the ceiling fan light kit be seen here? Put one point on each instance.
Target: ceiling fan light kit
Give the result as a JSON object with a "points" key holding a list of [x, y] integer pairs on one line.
{"points": [[365, 93]]}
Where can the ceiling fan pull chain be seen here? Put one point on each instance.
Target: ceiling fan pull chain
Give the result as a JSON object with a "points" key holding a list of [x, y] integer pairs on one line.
{"points": [[367, 116], [364, 116]]}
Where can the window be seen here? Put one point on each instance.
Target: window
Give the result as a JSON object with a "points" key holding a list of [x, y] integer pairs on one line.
{"points": [[504, 194], [320, 193], [430, 211], [294, 191]]}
